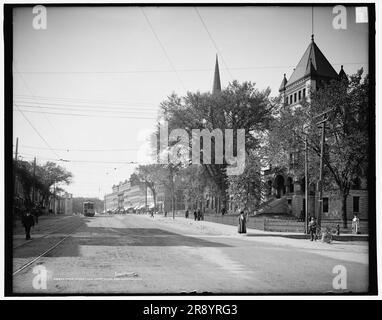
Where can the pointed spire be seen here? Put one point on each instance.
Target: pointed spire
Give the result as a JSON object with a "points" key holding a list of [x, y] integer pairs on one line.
{"points": [[342, 74], [312, 37], [216, 87], [283, 83]]}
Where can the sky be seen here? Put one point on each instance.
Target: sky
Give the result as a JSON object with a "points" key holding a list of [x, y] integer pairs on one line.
{"points": [[87, 88]]}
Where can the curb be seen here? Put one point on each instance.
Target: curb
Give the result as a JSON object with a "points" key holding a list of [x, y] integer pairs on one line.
{"points": [[364, 237]]}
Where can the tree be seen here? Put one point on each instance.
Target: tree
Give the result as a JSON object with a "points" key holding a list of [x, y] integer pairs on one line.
{"points": [[51, 174], [45, 176], [239, 106], [347, 138], [245, 189], [152, 176]]}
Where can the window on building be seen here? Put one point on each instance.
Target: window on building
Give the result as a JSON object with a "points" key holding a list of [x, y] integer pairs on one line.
{"points": [[295, 97], [291, 99], [299, 95], [303, 93], [325, 205], [356, 204]]}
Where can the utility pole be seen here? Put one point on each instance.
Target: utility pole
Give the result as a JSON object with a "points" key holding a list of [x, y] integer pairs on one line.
{"points": [[306, 184], [16, 155], [54, 198], [14, 178], [173, 195], [145, 196], [320, 183], [34, 177]]}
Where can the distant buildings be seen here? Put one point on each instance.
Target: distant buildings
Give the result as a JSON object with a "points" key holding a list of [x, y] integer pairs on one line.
{"points": [[125, 196]]}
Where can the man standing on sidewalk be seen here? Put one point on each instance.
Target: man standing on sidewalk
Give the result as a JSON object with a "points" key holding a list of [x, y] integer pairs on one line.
{"points": [[313, 229], [28, 223]]}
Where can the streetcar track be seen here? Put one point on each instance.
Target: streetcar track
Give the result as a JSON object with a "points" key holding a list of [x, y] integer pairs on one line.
{"points": [[26, 265], [42, 237], [50, 224]]}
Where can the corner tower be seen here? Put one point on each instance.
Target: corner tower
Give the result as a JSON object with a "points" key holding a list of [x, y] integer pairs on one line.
{"points": [[312, 71]]}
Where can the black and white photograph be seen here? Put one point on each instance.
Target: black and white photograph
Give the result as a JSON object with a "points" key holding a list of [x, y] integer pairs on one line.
{"points": [[197, 149]]}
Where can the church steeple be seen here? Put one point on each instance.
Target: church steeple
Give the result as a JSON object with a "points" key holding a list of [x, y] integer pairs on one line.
{"points": [[216, 87]]}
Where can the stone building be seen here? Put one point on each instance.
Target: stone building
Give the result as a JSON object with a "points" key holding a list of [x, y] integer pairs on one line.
{"points": [[286, 190], [125, 196]]}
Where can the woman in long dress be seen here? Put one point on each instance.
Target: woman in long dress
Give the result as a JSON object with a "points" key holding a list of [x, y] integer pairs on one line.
{"points": [[242, 223]]}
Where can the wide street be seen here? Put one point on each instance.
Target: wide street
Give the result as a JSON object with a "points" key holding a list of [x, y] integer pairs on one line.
{"points": [[138, 254]]}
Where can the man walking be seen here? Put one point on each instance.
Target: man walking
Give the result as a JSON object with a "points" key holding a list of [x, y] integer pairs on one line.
{"points": [[28, 223]]}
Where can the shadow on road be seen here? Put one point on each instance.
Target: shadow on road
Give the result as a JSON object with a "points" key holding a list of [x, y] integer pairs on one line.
{"points": [[107, 236]]}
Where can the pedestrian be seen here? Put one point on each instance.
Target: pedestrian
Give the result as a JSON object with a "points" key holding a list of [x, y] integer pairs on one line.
{"points": [[28, 223], [165, 214], [242, 223], [355, 224], [186, 214], [199, 214], [312, 229], [195, 215], [224, 211]]}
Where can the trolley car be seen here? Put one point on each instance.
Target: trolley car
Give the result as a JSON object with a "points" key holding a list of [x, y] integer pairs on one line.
{"points": [[88, 209]]}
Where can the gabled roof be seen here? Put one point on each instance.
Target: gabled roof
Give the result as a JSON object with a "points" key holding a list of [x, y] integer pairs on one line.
{"points": [[216, 87], [313, 63], [283, 83]]}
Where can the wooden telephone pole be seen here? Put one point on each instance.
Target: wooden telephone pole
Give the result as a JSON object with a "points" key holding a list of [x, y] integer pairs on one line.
{"points": [[320, 182], [34, 184], [14, 178]]}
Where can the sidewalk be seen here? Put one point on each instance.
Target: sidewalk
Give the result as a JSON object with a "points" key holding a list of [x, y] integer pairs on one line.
{"points": [[42, 222], [213, 228]]}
